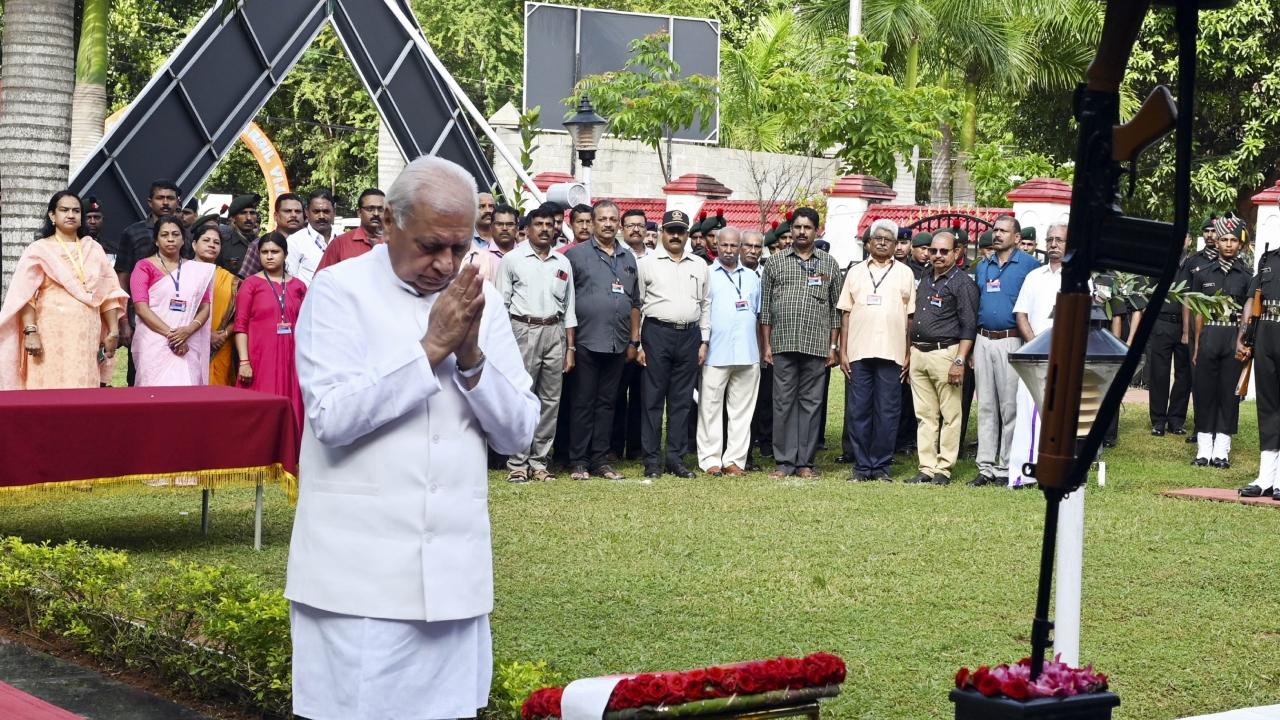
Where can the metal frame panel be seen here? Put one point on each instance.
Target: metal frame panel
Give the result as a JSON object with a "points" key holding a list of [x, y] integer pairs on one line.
{"points": [[406, 88], [196, 105], [531, 6]]}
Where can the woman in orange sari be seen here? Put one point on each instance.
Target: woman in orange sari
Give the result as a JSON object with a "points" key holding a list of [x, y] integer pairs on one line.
{"points": [[59, 322], [222, 363]]}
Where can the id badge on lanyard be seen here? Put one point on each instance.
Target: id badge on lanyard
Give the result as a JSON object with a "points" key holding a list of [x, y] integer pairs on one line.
{"points": [[178, 305], [815, 281], [284, 328]]}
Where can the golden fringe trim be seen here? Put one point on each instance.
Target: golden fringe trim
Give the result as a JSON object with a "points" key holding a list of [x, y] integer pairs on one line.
{"points": [[183, 480]]}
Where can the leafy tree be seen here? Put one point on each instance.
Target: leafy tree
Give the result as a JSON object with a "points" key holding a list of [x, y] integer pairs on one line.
{"points": [[1237, 123], [649, 98], [995, 168]]}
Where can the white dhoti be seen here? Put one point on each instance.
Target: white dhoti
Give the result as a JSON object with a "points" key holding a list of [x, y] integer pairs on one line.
{"points": [[355, 668], [1026, 437]]}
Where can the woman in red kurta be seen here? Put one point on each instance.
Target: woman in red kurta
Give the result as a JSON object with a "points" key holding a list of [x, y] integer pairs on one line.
{"points": [[266, 314]]}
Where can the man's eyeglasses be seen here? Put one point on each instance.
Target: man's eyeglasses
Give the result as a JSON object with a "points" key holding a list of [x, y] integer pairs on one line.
{"points": [[372, 209], [634, 226], [939, 251]]}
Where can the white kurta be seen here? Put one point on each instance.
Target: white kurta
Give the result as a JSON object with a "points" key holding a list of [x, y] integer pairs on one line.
{"points": [[1037, 298], [392, 520]]}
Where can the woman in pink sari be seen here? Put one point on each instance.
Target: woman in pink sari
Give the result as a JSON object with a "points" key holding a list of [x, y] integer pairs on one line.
{"points": [[59, 321], [172, 298], [266, 313]]}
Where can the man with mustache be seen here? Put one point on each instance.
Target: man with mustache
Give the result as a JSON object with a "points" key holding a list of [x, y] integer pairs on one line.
{"points": [[409, 369], [290, 218], [371, 204]]}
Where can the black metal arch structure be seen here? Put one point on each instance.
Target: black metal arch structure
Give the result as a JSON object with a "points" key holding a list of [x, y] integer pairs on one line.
{"points": [[195, 107]]}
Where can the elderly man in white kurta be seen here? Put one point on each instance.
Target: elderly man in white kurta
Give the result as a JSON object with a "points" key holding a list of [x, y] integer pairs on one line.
{"points": [[408, 368], [1033, 312]]}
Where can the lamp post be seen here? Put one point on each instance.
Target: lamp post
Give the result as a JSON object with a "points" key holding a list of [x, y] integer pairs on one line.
{"points": [[585, 129], [1102, 359]]}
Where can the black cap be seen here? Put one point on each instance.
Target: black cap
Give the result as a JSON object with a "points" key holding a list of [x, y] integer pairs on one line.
{"points": [[675, 218], [922, 239], [205, 219], [240, 203], [192, 205], [651, 226], [91, 204]]}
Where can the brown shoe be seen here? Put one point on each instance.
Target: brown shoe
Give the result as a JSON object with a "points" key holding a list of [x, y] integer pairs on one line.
{"points": [[714, 471], [779, 474], [733, 469], [807, 473]]}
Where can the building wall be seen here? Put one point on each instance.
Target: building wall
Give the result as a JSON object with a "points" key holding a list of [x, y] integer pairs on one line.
{"points": [[624, 168]]}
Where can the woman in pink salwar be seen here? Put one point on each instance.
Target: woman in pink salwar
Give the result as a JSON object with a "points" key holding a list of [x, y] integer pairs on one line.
{"points": [[266, 313], [172, 298], [58, 325]]}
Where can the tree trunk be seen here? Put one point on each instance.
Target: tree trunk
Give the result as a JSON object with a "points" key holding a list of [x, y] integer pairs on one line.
{"points": [[969, 130], [912, 72], [36, 84], [89, 108], [940, 184]]}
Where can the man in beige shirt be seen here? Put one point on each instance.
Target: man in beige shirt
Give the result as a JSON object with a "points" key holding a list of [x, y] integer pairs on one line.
{"points": [[673, 343], [877, 301]]}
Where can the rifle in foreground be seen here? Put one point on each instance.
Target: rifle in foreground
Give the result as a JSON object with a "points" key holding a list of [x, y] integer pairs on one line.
{"points": [[1249, 337]]}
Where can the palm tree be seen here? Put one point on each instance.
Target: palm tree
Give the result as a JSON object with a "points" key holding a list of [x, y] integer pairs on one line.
{"points": [[89, 106], [36, 85], [751, 116]]}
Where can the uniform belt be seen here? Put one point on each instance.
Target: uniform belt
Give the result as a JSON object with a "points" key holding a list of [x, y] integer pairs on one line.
{"points": [[1170, 317], [553, 320], [997, 334], [1271, 304], [1222, 323], [673, 325], [930, 346]]}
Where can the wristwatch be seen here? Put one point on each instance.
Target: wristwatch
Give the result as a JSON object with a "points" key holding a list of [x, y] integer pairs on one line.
{"points": [[958, 362], [635, 344], [473, 370]]}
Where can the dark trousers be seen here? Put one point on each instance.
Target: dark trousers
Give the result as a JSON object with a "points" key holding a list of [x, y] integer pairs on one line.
{"points": [[797, 405], [967, 388], [563, 442], [846, 428], [762, 420], [671, 369], [875, 393], [1168, 410], [1266, 382], [1216, 374], [628, 408], [826, 394], [595, 387], [906, 419]]}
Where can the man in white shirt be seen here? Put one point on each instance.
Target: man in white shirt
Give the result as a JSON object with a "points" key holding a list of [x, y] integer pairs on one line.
{"points": [[1033, 312], [731, 376], [408, 368], [307, 246]]}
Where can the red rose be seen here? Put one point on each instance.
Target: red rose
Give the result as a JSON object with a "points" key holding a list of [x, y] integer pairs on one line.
{"points": [[655, 689], [677, 688], [1015, 688], [697, 684], [962, 677], [814, 674], [730, 682], [987, 684], [749, 682]]}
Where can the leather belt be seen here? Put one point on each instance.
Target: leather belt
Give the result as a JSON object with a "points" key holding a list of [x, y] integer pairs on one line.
{"points": [[1170, 317], [931, 346], [997, 334], [673, 325], [553, 320]]}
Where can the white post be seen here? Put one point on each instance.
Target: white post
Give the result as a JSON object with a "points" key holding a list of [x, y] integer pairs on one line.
{"points": [[1066, 603], [855, 17], [586, 181]]}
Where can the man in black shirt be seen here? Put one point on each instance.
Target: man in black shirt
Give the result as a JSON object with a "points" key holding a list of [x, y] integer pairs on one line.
{"points": [[942, 332], [137, 241]]}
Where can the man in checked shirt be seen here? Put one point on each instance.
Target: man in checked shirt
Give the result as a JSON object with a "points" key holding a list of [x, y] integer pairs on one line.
{"points": [[799, 291]]}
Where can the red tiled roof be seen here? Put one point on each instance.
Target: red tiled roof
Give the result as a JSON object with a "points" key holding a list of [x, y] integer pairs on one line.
{"points": [[697, 184], [545, 180], [743, 214], [1270, 195], [973, 219], [863, 186], [1050, 190]]}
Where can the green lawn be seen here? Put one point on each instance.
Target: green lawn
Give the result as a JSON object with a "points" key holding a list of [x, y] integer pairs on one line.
{"points": [[1182, 605]]}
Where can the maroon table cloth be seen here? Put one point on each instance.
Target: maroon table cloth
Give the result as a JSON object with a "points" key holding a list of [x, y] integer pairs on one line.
{"points": [[218, 435]]}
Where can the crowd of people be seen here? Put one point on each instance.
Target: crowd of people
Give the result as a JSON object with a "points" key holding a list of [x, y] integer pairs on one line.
{"points": [[657, 340]]}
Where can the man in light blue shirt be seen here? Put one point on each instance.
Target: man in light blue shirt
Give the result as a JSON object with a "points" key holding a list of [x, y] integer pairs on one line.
{"points": [[731, 376]]}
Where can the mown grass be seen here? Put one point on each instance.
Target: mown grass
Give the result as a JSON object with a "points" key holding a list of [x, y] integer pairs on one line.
{"points": [[1181, 601]]}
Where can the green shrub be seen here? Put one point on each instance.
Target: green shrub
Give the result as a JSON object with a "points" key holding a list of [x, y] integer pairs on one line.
{"points": [[214, 632]]}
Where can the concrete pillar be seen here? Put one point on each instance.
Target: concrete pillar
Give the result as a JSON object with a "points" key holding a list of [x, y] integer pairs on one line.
{"points": [[847, 201], [390, 161], [687, 193], [1040, 202], [1267, 232]]}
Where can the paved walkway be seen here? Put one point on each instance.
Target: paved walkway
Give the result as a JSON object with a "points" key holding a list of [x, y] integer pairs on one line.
{"points": [[81, 691], [1225, 495]]}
